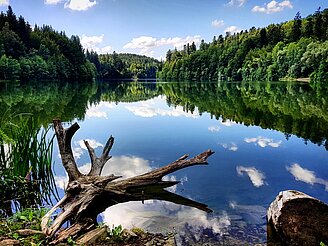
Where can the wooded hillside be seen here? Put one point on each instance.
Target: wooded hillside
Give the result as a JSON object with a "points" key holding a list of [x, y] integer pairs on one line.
{"points": [[40, 53], [294, 49]]}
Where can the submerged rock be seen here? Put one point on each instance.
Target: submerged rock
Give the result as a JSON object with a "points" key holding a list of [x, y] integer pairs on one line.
{"points": [[295, 218]]}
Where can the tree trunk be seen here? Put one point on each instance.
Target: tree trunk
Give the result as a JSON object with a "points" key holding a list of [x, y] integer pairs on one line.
{"points": [[88, 195]]}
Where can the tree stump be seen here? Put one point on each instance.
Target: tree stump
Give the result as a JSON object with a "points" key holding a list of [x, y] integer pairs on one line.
{"points": [[88, 195], [295, 218]]}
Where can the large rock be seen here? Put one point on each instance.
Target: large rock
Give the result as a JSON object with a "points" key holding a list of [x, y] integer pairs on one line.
{"points": [[295, 218]]}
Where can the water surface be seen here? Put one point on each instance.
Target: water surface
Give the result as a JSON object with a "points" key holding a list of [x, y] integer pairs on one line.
{"points": [[267, 137]]}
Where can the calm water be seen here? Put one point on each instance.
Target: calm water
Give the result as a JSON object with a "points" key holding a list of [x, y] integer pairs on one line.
{"points": [[267, 137]]}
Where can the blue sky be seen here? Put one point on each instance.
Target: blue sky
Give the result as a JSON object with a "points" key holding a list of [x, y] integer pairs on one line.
{"points": [[151, 27]]}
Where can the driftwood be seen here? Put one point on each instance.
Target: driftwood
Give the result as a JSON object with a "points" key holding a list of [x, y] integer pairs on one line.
{"points": [[88, 195]]}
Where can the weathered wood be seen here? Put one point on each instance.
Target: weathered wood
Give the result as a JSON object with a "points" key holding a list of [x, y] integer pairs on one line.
{"points": [[88, 195], [97, 164], [295, 218], [64, 137]]}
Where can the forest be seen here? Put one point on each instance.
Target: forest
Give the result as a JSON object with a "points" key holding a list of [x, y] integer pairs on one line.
{"points": [[42, 53], [294, 49], [124, 66]]}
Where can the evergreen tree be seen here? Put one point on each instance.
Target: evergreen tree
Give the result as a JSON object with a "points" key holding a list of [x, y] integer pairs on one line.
{"points": [[297, 27], [317, 29], [263, 37]]}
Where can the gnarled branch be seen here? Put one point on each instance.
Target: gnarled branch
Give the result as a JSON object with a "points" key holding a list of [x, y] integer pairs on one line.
{"points": [[64, 138], [88, 195], [97, 164]]}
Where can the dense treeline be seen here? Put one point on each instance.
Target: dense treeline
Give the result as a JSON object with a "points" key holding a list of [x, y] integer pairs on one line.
{"points": [[124, 66], [43, 53], [294, 49], [291, 108], [39, 53]]}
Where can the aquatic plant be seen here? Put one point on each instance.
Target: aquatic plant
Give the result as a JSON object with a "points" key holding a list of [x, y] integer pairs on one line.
{"points": [[25, 163]]}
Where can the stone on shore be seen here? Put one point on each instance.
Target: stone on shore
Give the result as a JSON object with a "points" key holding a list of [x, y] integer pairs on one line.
{"points": [[295, 218]]}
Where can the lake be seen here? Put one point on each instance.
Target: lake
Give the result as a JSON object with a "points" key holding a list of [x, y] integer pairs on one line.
{"points": [[267, 137]]}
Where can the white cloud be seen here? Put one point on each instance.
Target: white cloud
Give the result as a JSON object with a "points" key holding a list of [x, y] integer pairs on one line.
{"points": [[214, 128], [142, 42], [256, 176], [147, 43], [237, 3], [234, 147], [79, 5], [147, 109], [93, 43], [159, 216], [263, 142], [90, 42], [147, 52], [52, 2], [61, 182], [79, 147], [232, 29], [227, 123], [273, 7], [4, 2], [305, 175], [106, 49], [92, 142], [125, 166], [217, 23], [147, 112], [231, 147], [100, 110], [77, 153], [96, 113]]}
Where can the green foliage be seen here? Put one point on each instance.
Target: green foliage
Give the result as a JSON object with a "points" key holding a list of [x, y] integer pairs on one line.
{"points": [[287, 50], [41, 53], [25, 219], [116, 233], [9, 68], [124, 66], [71, 241], [29, 215]]}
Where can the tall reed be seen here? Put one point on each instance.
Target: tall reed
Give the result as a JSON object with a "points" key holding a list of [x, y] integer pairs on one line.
{"points": [[26, 164]]}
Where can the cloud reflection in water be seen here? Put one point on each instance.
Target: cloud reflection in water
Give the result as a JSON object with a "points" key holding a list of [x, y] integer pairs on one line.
{"points": [[256, 176], [159, 216], [100, 110], [151, 108], [305, 175], [231, 146], [263, 142]]}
